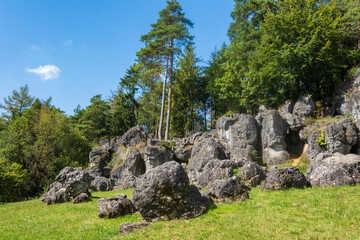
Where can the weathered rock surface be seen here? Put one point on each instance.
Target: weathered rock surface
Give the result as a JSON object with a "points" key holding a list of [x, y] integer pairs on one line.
{"points": [[155, 156], [330, 170], [273, 136], [223, 127], [134, 136], [252, 173], [83, 197], [115, 206], [99, 158], [336, 135], [217, 169], [129, 227], [164, 192], [183, 153], [202, 153], [228, 189], [285, 178], [70, 182], [244, 138], [101, 184]]}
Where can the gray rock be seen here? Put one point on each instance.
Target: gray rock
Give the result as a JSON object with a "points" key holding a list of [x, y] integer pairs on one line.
{"points": [[99, 158], [273, 136], [164, 193], [252, 173], [129, 227], [115, 206], [55, 196], [155, 156], [105, 144], [101, 184], [285, 178], [223, 127], [122, 178], [134, 136], [183, 153], [217, 169], [304, 107], [329, 170], [228, 189], [83, 197], [202, 153]]}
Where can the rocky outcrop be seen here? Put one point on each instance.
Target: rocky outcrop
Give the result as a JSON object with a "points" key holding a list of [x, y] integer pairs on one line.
{"points": [[164, 193], [223, 125], [231, 189], [285, 178], [155, 156], [217, 169], [83, 197], [332, 135], [273, 137], [134, 136], [70, 182], [329, 170], [202, 153], [99, 158], [115, 206], [252, 174], [101, 184], [349, 102]]}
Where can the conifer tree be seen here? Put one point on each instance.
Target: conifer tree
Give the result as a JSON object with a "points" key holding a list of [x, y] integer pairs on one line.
{"points": [[17, 103]]}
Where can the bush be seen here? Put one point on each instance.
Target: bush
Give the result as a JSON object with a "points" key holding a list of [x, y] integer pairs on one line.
{"points": [[13, 180]]}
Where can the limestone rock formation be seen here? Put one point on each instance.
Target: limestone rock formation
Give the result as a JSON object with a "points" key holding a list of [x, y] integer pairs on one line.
{"points": [[252, 174], [285, 178], [164, 193], [229, 189], [115, 206], [101, 184], [83, 197]]}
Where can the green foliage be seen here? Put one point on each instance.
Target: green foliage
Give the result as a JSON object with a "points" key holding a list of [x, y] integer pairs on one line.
{"points": [[321, 140], [167, 144], [15, 104], [43, 141], [190, 96], [236, 171], [312, 213], [13, 180]]}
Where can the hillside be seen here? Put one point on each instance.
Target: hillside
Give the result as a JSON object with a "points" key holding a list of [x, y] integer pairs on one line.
{"points": [[313, 213]]}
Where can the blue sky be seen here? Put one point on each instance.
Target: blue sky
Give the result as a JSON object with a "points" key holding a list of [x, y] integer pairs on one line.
{"points": [[72, 50]]}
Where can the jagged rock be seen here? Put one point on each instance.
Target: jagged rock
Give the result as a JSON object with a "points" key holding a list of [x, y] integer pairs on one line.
{"points": [[244, 138], [83, 197], [107, 172], [217, 169], [183, 154], [94, 171], [101, 184], [105, 144], [70, 182], [349, 102], [252, 173], [228, 189], [273, 136], [285, 178], [330, 170], [155, 156], [223, 127], [99, 158], [336, 135], [202, 153], [115, 206], [164, 193], [129, 227], [122, 178], [134, 136]]}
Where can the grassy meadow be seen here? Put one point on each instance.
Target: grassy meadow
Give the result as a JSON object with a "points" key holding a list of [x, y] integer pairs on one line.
{"points": [[331, 213]]}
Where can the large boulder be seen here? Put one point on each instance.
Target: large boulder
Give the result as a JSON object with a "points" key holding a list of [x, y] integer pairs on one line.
{"points": [[99, 158], [217, 169], [155, 156], [164, 193], [183, 153], [231, 189], [349, 102], [202, 153], [330, 170], [223, 127], [285, 178], [70, 182], [244, 138], [252, 174], [83, 197], [331, 135], [134, 136], [115, 206], [273, 137], [101, 184]]}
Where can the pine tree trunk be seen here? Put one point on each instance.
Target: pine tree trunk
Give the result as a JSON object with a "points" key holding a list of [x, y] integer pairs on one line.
{"points": [[163, 101], [170, 93]]}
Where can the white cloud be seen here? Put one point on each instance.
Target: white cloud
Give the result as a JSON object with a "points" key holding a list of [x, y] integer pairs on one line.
{"points": [[46, 72], [35, 47], [69, 43]]}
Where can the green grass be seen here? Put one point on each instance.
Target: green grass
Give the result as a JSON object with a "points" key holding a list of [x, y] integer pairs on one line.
{"points": [[331, 213]]}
